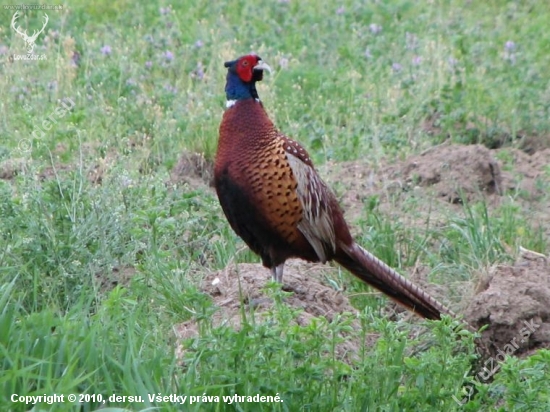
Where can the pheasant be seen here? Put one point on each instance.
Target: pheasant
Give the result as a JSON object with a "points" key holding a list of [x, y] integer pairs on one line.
{"points": [[277, 203]]}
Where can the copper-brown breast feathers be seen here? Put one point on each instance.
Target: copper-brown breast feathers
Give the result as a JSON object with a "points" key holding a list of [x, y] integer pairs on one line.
{"points": [[274, 189], [294, 198]]}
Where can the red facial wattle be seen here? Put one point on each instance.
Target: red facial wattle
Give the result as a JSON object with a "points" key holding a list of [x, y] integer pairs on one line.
{"points": [[245, 67]]}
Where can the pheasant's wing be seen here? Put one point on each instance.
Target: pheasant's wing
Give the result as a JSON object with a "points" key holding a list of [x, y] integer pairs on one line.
{"points": [[318, 202]]}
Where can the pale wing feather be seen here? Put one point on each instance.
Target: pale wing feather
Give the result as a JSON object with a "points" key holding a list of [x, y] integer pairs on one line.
{"points": [[316, 225]]}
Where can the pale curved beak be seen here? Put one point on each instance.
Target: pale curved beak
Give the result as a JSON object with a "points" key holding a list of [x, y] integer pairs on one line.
{"points": [[262, 66]]}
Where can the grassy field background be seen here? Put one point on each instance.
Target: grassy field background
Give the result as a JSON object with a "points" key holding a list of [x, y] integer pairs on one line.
{"points": [[90, 134]]}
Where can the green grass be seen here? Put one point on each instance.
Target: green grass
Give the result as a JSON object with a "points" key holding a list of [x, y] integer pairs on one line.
{"points": [[353, 80]]}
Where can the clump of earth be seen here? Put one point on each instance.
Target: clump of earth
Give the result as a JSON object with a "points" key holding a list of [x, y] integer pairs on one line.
{"points": [[513, 302], [245, 284]]}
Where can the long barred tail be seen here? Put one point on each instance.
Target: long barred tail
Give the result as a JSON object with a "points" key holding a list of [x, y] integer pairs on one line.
{"points": [[376, 273]]}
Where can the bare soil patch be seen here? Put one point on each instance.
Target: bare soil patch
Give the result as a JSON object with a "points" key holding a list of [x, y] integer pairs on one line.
{"points": [[245, 282], [528, 173], [449, 173], [514, 303], [242, 285], [193, 169], [10, 168], [118, 276], [453, 171]]}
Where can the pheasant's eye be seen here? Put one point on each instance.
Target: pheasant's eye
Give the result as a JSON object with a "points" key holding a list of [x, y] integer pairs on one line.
{"points": [[245, 63]]}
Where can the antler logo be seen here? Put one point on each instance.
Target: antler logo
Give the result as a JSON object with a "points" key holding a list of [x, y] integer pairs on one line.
{"points": [[28, 39]]}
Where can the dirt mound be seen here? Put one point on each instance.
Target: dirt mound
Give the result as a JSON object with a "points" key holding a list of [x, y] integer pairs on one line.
{"points": [[117, 276], [193, 169], [243, 284], [10, 168], [528, 173], [514, 303], [303, 279], [534, 142], [450, 171], [454, 171]]}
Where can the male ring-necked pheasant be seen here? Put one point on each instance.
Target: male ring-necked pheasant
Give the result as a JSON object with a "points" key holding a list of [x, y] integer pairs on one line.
{"points": [[277, 203]]}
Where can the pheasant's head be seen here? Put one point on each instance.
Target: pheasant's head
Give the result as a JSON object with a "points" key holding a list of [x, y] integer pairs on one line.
{"points": [[242, 75]]}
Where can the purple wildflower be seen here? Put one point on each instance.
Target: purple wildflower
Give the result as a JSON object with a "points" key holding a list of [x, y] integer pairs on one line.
{"points": [[170, 89], [340, 10], [106, 50], [396, 67], [283, 62], [168, 55], [417, 60], [3, 49], [198, 73], [510, 46], [375, 28], [452, 62], [510, 51], [199, 44], [368, 54], [148, 64], [165, 10]]}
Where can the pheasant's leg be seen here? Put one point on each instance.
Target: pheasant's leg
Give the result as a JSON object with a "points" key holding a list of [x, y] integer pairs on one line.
{"points": [[277, 273]]}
